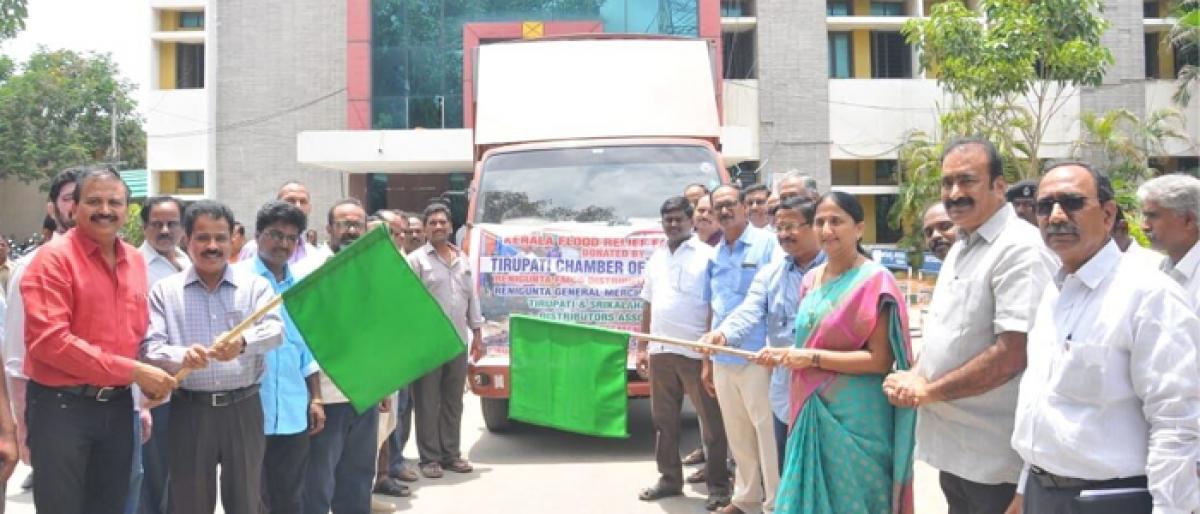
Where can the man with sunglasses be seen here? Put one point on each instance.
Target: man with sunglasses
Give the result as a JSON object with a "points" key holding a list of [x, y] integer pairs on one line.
{"points": [[774, 298], [290, 390], [964, 382], [1111, 397]]}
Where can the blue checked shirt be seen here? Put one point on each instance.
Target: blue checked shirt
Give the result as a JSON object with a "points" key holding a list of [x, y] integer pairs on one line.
{"points": [[284, 393], [183, 313], [774, 296], [730, 273]]}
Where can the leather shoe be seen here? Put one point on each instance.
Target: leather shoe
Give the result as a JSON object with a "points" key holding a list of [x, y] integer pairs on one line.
{"points": [[392, 487], [406, 475], [696, 457], [716, 501], [431, 470], [458, 466], [696, 478]]}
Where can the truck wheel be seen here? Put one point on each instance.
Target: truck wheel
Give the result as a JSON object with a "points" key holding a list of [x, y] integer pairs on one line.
{"points": [[495, 414]]}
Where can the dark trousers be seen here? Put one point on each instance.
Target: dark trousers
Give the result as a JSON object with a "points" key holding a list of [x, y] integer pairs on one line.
{"points": [[341, 462], [202, 437], [154, 464], [672, 376], [439, 406], [399, 436], [1040, 499], [133, 499], [966, 497], [82, 450], [781, 434], [284, 463]]}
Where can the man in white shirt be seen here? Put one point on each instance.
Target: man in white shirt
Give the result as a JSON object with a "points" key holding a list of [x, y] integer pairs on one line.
{"points": [[1171, 207], [675, 289], [162, 232], [1111, 396], [1135, 251], [965, 381], [297, 194]]}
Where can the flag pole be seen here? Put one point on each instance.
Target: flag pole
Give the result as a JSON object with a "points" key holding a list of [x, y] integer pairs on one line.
{"points": [[237, 330], [695, 345]]}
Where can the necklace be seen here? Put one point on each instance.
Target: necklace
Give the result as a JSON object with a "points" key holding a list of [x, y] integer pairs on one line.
{"points": [[826, 293]]}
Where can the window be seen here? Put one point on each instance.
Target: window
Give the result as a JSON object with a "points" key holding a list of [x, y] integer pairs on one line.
{"points": [[189, 66], [837, 7], [840, 63], [890, 56], [887, 9], [191, 20], [739, 54], [1150, 9], [191, 180], [884, 233], [885, 172], [1151, 55]]}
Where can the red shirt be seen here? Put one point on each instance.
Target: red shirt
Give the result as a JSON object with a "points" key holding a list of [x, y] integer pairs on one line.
{"points": [[84, 321]]}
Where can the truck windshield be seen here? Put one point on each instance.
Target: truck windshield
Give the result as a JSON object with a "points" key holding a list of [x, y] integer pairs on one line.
{"points": [[607, 184]]}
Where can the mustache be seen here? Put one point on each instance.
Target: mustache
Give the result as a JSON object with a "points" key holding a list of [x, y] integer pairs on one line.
{"points": [[211, 253], [1062, 229], [965, 201], [96, 218]]}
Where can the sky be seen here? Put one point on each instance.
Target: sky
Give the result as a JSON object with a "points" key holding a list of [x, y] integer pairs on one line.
{"points": [[120, 28]]}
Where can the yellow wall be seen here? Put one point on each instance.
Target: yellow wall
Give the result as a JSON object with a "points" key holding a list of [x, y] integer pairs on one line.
{"points": [[861, 42], [168, 20], [866, 177], [168, 182], [166, 65], [1166, 58]]}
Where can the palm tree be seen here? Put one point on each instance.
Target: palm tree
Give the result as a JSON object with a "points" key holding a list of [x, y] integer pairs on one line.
{"points": [[920, 181], [1185, 35]]}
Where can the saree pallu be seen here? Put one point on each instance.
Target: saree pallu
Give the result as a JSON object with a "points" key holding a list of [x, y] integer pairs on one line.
{"points": [[849, 451]]}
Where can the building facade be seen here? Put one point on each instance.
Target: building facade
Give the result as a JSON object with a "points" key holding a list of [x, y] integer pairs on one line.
{"points": [[827, 88]]}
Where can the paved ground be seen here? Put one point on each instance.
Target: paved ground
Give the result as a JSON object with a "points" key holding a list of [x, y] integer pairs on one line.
{"points": [[539, 470]]}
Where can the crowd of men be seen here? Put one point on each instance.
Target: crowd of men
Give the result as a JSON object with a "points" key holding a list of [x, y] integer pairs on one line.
{"points": [[1059, 356], [1058, 371], [130, 390]]}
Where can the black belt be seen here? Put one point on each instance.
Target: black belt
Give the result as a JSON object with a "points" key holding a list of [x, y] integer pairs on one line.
{"points": [[91, 392], [217, 398], [1051, 481]]}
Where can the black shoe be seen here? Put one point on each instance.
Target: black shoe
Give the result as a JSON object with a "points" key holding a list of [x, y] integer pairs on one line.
{"points": [[391, 487], [716, 501]]}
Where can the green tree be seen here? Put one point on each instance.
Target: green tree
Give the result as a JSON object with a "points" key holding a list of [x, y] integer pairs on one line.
{"points": [[132, 231], [57, 111], [1126, 143], [1015, 67], [12, 18], [1185, 35]]}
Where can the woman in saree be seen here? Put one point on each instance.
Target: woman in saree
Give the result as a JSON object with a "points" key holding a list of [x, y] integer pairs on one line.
{"points": [[848, 451]]}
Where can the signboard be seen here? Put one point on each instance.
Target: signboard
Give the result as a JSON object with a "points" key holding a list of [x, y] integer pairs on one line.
{"points": [[579, 273]]}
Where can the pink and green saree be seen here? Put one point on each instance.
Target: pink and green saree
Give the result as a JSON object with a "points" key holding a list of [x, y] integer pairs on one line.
{"points": [[849, 451]]}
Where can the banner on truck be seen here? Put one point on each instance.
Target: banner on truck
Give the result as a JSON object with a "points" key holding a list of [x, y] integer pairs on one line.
{"points": [[579, 273]]}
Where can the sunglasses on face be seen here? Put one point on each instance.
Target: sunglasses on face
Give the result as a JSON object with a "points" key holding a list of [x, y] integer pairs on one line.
{"points": [[1070, 204]]}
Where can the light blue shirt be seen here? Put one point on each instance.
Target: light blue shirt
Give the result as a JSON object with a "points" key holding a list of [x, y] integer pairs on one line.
{"points": [[774, 296], [283, 392], [730, 273]]}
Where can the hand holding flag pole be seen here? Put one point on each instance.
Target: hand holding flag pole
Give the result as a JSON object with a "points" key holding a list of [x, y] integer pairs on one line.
{"points": [[234, 333], [695, 345]]}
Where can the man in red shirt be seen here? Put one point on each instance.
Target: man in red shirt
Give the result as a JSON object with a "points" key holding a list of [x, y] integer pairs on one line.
{"points": [[85, 317]]}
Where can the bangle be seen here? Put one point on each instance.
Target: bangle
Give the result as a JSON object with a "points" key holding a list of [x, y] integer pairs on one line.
{"points": [[316, 401], [816, 360]]}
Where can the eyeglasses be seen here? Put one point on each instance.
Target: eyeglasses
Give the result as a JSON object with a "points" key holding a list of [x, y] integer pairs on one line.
{"points": [[788, 227], [756, 201], [158, 225], [1069, 202], [348, 224], [281, 237]]}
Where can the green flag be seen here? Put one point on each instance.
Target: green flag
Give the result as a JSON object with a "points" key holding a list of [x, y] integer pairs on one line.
{"points": [[569, 377], [370, 322]]}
